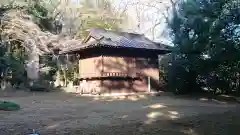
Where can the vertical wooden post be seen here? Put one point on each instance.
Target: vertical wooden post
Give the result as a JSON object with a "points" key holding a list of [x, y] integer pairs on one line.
{"points": [[65, 72], [149, 84]]}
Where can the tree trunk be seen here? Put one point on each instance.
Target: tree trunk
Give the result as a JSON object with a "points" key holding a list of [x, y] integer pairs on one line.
{"points": [[58, 79], [33, 66], [65, 77]]}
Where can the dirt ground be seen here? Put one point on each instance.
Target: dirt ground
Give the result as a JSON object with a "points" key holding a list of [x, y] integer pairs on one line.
{"points": [[66, 114]]}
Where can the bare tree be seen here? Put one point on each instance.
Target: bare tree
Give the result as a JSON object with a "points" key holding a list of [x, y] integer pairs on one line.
{"points": [[154, 12], [75, 14], [18, 25]]}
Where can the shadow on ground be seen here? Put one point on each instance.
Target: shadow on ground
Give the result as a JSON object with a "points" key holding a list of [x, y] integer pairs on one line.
{"points": [[215, 124], [58, 113]]}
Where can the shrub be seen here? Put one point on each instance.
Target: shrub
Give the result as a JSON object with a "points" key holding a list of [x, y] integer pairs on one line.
{"points": [[9, 106], [41, 85]]}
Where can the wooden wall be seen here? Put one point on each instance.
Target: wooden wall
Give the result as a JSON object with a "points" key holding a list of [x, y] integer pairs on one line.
{"points": [[103, 65], [124, 65], [90, 67], [139, 69]]}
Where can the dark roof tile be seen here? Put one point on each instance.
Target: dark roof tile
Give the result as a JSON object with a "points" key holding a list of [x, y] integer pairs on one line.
{"points": [[120, 39], [124, 39]]}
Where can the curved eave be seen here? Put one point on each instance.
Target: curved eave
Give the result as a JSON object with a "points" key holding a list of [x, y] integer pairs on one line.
{"points": [[92, 46]]}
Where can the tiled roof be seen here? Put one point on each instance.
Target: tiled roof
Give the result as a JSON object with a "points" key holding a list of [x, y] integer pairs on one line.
{"points": [[109, 38], [124, 39]]}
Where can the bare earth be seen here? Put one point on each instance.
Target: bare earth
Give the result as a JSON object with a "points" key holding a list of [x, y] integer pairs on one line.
{"points": [[65, 114]]}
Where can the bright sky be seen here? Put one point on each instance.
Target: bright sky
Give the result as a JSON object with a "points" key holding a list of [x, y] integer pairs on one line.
{"points": [[149, 17]]}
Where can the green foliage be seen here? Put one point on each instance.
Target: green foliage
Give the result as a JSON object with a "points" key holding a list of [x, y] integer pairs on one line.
{"points": [[41, 11], [12, 68], [41, 85], [43, 17], [94, 19], [48, 18], [12, 53], [48, 67], [8, 106], [96, 23], [207, 46], [14, 2], [68, 68]]}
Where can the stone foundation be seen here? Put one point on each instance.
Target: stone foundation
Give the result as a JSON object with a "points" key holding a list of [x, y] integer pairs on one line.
{"points": [[115, 86]]}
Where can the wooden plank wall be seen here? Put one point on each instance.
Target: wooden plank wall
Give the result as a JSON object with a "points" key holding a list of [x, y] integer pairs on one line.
{"points": [[90, 67], [121, 65]]}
